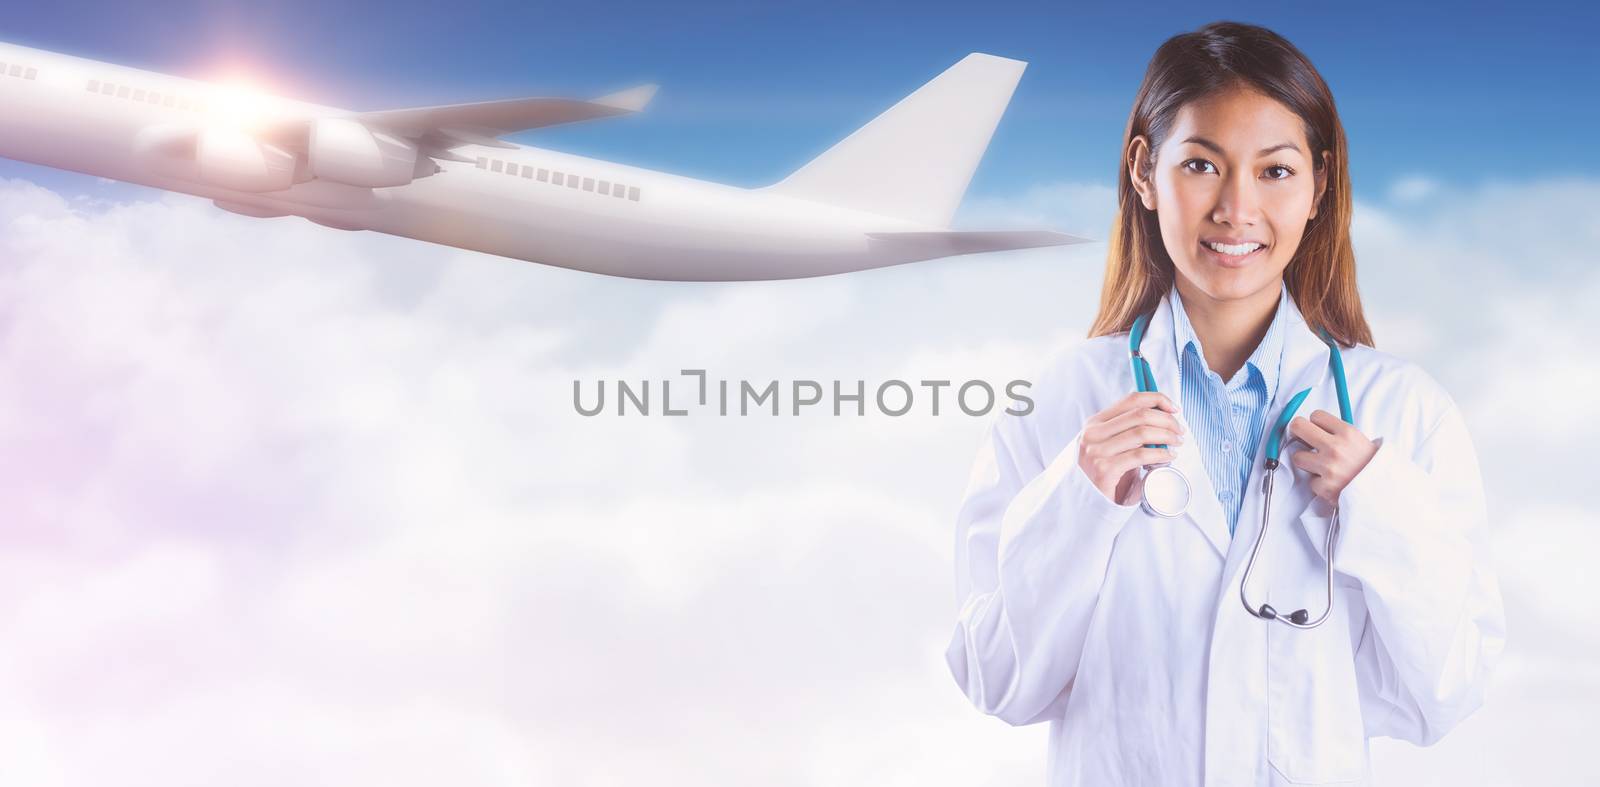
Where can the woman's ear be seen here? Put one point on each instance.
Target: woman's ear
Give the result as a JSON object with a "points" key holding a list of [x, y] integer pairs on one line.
{"points": [[1321, 180], [1139, 169]]}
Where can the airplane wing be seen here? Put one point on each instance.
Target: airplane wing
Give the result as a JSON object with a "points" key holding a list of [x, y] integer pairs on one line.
{"points": [[483, 122], [436, 130], [370, 149]]}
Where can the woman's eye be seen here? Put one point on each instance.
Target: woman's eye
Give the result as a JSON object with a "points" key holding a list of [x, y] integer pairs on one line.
{"points": [[1189, 165], [1286, 172]]}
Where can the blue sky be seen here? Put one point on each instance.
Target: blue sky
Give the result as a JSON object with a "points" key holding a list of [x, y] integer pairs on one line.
{"points": [[752, 90], [325, 497]]}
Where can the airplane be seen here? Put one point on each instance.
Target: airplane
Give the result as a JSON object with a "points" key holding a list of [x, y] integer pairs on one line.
{"points": [[885, 195]]}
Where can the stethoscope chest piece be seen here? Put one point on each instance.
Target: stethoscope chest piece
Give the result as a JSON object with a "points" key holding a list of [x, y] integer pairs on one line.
{"points": [[1166, 491]]}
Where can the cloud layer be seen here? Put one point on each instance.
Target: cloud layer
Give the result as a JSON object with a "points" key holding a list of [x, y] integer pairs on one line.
{"points": [[285, 504]]}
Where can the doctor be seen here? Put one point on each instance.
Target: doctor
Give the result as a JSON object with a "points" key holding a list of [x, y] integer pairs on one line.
{"points": [[1124, 629]]}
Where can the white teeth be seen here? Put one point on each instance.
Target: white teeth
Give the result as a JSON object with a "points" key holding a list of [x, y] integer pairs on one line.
{"points": [[1234, 251]]}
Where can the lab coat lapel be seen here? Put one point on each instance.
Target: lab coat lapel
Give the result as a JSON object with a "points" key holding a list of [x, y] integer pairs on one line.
{"points": [[1204, 511], [1305, 365]]}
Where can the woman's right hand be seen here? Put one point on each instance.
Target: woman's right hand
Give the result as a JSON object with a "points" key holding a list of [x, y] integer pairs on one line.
{"points": [[1112, 447]]}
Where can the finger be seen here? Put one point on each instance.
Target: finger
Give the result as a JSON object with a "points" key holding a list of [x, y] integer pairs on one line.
{"points": [[1135, 418], [1348, 440], [1305, 429], [1138, 400], [1141, 435], [1146, 416], [1309, 461], [1322, 489], [1313, 435], [1329, 422], [1331, 489], [1118, 465], [1140, 457]]}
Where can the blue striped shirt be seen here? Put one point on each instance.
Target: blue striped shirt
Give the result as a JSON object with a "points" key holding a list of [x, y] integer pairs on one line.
{"points": [[1227, 419]]}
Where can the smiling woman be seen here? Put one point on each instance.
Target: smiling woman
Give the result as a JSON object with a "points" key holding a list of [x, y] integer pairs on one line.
{"points": [[1102, 558], [1246, 152]]}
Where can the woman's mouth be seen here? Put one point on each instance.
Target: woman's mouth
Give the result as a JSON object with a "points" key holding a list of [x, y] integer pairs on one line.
{"points": [[1231, 255]]}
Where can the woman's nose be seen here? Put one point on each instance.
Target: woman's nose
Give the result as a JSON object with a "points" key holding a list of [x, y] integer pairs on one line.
{"points": [[1238, 204]]}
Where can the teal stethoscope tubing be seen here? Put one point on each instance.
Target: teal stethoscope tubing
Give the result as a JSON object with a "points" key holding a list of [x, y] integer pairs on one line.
{"points": [[1146, 382]]}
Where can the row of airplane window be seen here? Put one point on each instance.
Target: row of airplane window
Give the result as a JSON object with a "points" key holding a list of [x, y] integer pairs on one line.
{"points": [[15, 70], [605, 187], [144, 96]]}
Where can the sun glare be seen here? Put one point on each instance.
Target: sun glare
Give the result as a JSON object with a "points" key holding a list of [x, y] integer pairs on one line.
{"points": [[242, 99]]}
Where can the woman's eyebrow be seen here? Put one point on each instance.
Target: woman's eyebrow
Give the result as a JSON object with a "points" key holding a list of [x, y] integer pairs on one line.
{"points": [[1217, 149]]}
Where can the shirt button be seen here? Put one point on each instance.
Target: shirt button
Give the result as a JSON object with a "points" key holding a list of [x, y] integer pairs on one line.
{"points": [[1227, 497], [1238, 408], [1227, 446]]}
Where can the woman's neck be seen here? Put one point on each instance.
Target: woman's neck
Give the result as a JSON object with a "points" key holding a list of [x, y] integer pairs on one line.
{"points": [[1229, 330]]}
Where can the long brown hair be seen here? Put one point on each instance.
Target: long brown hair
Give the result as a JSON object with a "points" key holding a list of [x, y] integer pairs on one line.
{"points": [[1322, 275]]}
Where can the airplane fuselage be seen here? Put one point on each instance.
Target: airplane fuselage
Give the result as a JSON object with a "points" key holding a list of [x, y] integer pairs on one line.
{"points": [[521, 202]]}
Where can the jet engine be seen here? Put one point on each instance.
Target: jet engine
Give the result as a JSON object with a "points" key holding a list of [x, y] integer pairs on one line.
{"points": [[345, 151], [235, 160]]}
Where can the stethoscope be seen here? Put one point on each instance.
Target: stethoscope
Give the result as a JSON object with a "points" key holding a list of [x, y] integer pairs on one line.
{"points": [[1166, 490]]}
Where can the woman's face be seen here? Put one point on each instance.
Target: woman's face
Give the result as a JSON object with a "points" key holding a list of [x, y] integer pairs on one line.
{"points": [[1235, 171]]}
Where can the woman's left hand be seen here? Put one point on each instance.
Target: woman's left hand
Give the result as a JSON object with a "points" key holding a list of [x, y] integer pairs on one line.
{"points": [[1340, 452]]}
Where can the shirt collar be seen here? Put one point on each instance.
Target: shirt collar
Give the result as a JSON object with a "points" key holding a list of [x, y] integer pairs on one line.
{"points": [[1267, 359]]}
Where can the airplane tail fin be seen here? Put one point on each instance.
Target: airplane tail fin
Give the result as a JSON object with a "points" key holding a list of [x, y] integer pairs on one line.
{"points": [[915, 160]]}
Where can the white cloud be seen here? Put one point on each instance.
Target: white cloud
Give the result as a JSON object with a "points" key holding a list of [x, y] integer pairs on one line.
{"points": [[1412, 188], [316, 506], [1082, 209]]}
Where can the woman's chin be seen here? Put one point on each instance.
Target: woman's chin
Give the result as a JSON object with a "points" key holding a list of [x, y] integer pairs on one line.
{"points": [[1226, 284]]}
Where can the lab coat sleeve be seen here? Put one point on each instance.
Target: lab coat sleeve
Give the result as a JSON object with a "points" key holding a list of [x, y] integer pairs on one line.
{"points": [[1414, 531], [1032, 545]]}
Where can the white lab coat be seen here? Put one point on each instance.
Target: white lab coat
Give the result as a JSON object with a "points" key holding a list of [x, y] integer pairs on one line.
{"points": [[1125, 630]]}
